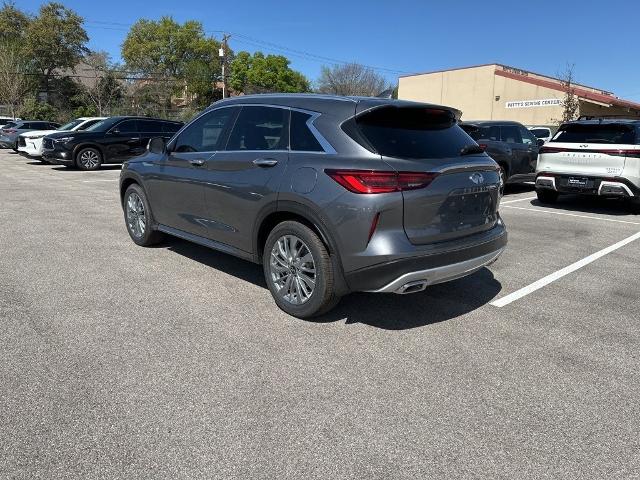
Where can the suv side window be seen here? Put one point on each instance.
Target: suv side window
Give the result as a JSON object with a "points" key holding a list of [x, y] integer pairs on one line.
{"points": [[170, 127], [205, 133], [260, 128], [128, 126], [150, 126], [511, 134], [528, 138], [302, 139]]}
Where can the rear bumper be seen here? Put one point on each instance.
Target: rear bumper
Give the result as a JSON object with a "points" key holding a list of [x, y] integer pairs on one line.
{"points": [[429, 269], [601, 186], [522, 178]]}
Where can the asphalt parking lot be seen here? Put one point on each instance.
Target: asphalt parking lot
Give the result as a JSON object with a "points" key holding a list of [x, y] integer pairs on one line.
{"points": [[173, 362]]}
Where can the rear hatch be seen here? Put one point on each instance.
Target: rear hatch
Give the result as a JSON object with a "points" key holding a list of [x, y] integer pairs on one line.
{"points": [[463, 196], [593, 149]]}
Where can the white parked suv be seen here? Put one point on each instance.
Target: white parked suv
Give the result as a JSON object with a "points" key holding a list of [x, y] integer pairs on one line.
{"points": [[541, 132], [591, 157], [30, 143]]}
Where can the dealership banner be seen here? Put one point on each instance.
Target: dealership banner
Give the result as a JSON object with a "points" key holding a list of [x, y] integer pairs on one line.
{"points": [[547, 102]]}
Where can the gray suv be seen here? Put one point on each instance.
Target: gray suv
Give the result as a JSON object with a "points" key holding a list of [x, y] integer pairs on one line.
{"points": [[330, 194]]}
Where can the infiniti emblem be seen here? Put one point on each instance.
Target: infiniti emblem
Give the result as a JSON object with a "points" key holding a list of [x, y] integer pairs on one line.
{"points": [[477, 178]]}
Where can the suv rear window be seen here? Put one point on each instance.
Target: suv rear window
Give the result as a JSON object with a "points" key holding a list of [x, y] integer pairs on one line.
{"points": [[411, 132], [541, 132], [598, 133]]}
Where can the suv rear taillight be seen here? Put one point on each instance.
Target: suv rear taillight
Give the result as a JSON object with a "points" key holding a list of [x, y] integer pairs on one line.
{"points": [[9, 130], [373, 181]]}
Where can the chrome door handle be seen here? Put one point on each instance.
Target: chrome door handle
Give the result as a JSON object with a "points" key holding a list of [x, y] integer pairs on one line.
{"points": [[265, 162], [196, 162]]}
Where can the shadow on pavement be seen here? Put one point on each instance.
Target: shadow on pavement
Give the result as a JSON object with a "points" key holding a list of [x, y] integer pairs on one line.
{"points": [[590, 204], [387, 311]]}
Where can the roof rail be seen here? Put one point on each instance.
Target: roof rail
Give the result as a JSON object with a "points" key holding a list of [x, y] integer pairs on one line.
{"points": [[605, 117]]}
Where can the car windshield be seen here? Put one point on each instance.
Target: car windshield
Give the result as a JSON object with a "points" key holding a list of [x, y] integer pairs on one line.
{"points": [[101, 126], [70, 125], [598, 133]]}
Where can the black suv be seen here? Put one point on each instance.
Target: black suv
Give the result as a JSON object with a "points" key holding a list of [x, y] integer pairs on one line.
{"points": [[113, 140], [512, 145]]}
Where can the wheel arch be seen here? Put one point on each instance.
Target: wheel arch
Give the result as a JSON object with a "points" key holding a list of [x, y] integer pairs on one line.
{"points": [[288, 210], [81, 146]]}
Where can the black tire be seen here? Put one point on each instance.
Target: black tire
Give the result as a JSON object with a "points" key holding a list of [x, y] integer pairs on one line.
{"points": [[547, 196], [503, 176], [324, 295], [634, 206], [149, 236], [88, 158]]}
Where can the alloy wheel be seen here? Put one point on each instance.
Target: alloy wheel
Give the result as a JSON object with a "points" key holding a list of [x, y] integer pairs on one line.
{"points": [[293, 269], [136, 216], [89, 159]]}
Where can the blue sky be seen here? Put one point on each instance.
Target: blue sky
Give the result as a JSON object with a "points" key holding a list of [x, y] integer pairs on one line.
{"points": [[406, 36]]}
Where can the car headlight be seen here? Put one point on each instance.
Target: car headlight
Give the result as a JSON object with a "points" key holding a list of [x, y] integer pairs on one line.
{"points": [[33, 137], [63, 139]]}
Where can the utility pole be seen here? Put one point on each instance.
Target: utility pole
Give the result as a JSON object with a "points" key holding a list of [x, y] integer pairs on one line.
{"points": [[223, 55]]}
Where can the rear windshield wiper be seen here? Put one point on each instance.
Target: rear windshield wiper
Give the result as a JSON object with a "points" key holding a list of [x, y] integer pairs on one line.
{"points": [[471, 149]]}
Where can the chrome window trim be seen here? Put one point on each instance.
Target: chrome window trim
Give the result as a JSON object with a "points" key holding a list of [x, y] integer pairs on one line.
{"points": [[326, 146]]}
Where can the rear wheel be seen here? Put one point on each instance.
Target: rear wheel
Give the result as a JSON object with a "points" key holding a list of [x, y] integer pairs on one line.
{"points": [[89, 159], [137, 217], [298, 271], [547, 196]]}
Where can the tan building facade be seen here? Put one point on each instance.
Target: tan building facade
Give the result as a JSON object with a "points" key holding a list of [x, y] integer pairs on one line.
{"points": [[499, 92]]}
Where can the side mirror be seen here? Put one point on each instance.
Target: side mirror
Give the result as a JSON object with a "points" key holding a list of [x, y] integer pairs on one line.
{"points": [[115, 131], [157, 145], [540, 142]]}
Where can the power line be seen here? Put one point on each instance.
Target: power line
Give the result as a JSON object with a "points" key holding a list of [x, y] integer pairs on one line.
{"points": [[246, 39]]}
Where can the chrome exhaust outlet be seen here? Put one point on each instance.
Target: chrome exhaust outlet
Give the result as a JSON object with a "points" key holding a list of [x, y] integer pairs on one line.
{"points": [[412, 287]]}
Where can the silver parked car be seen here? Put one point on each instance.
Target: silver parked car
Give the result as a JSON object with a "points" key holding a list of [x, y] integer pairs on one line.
{"points": [[9, 133], [330, 194]]}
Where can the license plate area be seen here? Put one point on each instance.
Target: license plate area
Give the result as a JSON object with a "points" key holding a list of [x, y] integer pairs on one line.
{"points": [[578, 182], [468, 208]]}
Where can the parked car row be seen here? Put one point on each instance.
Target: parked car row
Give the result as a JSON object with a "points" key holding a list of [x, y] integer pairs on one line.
{"points": [[333, 195], [10, 132], [89, 142]]}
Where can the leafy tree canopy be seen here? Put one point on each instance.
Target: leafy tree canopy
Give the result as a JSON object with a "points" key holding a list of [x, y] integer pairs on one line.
{"points": [[259, 73]]}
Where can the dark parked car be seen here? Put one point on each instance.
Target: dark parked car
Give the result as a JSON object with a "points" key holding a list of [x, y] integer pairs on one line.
{"points": [[512, 145], [9, 132], [330, 194], [113, 140]]}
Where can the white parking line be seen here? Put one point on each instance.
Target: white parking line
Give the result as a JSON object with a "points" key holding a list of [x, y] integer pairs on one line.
{"points": [[512, 297], [517, 200], [538, 210], [102, 180]]}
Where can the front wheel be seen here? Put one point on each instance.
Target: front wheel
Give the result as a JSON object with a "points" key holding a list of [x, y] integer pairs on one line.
{"points": [[137, 216], [547, 196], [89, 159], [298, 271]]}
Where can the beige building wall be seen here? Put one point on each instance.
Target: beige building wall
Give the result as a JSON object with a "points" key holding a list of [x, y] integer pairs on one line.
{"points": [[467, 89]]}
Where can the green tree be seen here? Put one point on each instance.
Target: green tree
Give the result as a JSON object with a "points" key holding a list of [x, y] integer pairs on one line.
{"points": [[13, 22], [259, 73], [55, 39], [179, 57], [34, 110]]}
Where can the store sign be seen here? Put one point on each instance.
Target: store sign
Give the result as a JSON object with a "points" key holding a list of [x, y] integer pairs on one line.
{"points": [[547, 102]]}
